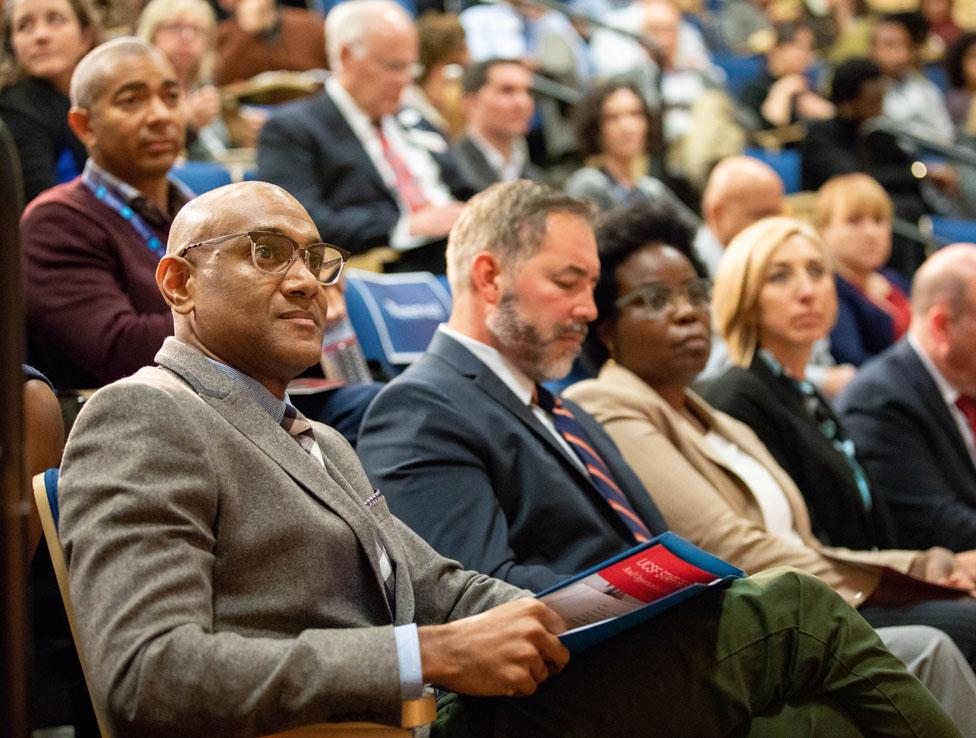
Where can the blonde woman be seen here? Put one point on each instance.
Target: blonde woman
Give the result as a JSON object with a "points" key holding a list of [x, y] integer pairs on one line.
{"points": [[184, 30], [853, 215], [773, 298]]}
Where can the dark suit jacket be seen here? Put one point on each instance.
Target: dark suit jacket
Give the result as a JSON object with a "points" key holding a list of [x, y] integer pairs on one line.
{"points": [[777, 415], [909, 443], [308, 148], [476, 169], [470, 468]]}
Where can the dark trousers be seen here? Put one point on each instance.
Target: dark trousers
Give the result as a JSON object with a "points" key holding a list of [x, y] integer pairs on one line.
{"points": [[778, 653]]}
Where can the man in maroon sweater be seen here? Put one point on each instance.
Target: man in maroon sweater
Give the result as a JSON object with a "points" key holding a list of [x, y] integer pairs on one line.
{"points": [[91, 245]]}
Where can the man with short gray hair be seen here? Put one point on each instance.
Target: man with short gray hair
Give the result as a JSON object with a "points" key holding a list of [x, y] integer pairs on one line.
{"points": [[91, 245], [366, 179]]}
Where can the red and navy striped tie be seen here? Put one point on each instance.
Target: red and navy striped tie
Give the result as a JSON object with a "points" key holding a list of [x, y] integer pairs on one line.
{"points": [[572, 432]]}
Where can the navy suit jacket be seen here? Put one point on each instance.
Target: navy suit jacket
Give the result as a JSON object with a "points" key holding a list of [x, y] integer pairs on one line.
{"points": [[308, 148], [471, 469], [911, 447]]}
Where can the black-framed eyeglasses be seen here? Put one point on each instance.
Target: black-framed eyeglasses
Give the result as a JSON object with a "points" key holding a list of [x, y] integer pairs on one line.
{"points": [[275, 253], [658, 299]]}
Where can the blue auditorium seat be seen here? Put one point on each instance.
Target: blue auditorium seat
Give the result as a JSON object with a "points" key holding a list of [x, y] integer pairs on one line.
{"points": [[202, 176], [739, 70], [787, 163]]}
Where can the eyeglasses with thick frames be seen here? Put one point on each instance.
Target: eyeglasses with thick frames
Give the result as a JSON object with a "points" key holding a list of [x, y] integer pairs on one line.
{"points": [[658, 299], [275, 253]]}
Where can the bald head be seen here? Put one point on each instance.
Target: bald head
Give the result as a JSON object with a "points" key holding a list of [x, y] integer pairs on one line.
{"points": [[947, 277], [266, 323], [944, 313], [234, 208], [740, 191], [99, 66]]}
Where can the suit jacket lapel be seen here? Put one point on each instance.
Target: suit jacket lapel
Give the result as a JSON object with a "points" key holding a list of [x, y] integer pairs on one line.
{"points": [[225, 397], [336, 122], [932, 402], [485, 379]]}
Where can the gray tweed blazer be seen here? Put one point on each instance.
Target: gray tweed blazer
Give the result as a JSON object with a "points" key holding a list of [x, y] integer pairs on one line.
{"points": [[224, 582]]}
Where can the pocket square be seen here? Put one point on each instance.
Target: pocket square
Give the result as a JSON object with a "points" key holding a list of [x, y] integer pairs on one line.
{"points": [[374, 498]]}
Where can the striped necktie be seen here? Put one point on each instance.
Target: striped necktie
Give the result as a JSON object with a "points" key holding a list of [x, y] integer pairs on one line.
{"points": [[572, 432], [300, 429]]}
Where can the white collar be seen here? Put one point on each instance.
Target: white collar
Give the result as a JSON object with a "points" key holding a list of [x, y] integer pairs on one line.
{"points": [[512, 377], [949, 393], [497, 160]]}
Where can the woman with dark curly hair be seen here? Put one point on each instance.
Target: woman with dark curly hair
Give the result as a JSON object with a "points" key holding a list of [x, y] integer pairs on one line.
{"points": [[960, 65], [43, 41], [617, 135]]}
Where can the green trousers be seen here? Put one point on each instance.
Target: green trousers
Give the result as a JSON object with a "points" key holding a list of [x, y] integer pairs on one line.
{"points": [[778, 653]]}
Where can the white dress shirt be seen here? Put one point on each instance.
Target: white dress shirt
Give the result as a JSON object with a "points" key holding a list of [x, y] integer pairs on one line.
{"points": [[415, 156], [513, 378]]}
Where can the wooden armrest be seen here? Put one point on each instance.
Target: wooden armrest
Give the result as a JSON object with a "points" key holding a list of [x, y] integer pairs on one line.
{"points": [[415, 713]]}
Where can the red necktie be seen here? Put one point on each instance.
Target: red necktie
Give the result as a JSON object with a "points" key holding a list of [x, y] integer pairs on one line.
{"points": [[406, 184], [968, 406]]}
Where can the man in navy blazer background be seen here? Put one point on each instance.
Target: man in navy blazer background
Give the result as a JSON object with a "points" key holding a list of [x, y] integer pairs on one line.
{"points": [[912, 414], [365, 179]]}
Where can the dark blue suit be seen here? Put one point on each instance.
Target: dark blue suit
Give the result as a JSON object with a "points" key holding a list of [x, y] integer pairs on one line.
{"points": [[468, 466], [912, 449], [308, 148]]}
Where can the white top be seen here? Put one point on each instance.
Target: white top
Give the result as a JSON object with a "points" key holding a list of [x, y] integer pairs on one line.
{"points": [[708, 249], [416, 157], [920, 106], [949, 394], [770, 496], [513, 378]]}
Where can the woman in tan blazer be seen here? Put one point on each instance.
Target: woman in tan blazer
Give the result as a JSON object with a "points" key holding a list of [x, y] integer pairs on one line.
{"points": [[712, 478]]}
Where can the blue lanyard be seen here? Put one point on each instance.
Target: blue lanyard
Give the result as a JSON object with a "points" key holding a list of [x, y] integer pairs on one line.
{"points": [[103, 193]]}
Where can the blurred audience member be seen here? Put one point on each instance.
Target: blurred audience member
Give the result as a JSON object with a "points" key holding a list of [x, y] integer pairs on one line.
{"points": [[912, 411], [184, 31], [436, 93], [781, 95], [366, 180], [740, 190], [960, 64], [91, 246], [910, 98], [498, 106], [853, 216], [618, 136], [742, 22], [678, 87], [544, 39], [613, 53], [43, 40], [938, 15], [852, 142], [259, 36]]}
